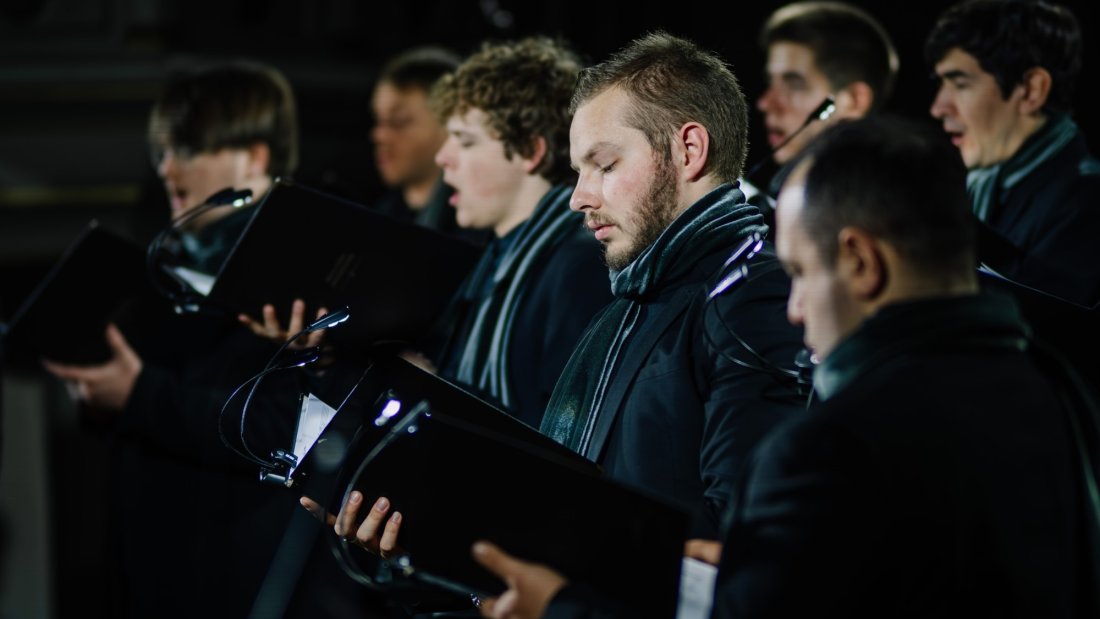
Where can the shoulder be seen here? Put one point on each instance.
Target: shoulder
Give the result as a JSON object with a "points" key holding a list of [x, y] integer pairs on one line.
{"points": [[755, 308]]}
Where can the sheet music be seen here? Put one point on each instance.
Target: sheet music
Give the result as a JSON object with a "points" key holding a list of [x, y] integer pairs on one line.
{"points": [[199, 281], [313, 418], [696, 589]]}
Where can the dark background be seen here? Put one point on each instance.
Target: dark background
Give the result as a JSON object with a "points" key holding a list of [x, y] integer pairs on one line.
{"points": [[77, 78]]}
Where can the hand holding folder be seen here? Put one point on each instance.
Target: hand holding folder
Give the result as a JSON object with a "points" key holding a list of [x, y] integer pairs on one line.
{"points": [[459, 470]]}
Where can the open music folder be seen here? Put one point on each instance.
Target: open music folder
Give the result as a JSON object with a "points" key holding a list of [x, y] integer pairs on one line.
{"points": [[396, 277], [460, 469], [64, 318]]}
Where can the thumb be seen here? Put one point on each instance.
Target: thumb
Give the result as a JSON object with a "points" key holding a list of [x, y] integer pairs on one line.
{"points": [[492, 558], [119, 346]]}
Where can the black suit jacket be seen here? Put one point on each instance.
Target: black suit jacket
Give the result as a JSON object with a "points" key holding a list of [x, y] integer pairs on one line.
{"points": [[680, 415], [940, 482]]}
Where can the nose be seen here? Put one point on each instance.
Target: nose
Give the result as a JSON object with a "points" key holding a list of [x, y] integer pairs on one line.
{"points": [[443, 156], [584, 195], [794, 306], [767, 100], [940, 104], [167, 165]]}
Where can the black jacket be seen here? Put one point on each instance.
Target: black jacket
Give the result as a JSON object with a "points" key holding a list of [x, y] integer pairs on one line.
{"points": [[1043, 231], [937, 481]]}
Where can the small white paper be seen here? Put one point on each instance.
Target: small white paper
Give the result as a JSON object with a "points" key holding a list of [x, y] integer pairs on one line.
{"points": [[199, 281], [312, 420], [696, 589]]}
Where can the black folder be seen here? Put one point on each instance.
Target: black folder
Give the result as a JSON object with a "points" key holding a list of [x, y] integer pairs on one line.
{"points": [[460, 470], [65, 317], [395, 276]]}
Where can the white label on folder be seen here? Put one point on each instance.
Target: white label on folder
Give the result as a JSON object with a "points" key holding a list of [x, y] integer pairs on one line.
{"points": [[696, 589], [199, 281], [312, 420]]}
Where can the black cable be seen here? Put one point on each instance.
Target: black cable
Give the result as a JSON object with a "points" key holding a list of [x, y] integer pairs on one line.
{"points": [[185, 298]]}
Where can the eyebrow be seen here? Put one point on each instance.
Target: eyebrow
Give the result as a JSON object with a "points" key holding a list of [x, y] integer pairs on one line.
{"points": [[590, 154], [953, 74]]}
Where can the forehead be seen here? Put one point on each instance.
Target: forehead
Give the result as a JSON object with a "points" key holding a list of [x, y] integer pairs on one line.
{"points": [[958, 61], [788, 214], [600, 123], [791, 57], [388, 96], [473, 120]]}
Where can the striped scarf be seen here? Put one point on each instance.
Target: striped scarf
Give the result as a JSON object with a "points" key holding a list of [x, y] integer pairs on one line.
{"points": [[484, 362], [986, 184], [719, 219]]}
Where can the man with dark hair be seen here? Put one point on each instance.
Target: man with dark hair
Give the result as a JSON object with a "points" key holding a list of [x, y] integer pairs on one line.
{"points": [[406, 136], [938, 475], [817, 50], [228, 125], [1006, 72]]}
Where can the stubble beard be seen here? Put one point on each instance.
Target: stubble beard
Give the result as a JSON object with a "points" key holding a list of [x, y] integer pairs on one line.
{"points": [[657, 211]]}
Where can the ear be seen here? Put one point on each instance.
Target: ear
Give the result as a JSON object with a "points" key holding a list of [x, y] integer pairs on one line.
{"points": [[1036, 85], [538, 154], [861, 264], [694, 143], [854, 100], [259, 159]]}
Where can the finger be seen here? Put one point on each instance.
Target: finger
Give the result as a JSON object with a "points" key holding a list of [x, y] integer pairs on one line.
{"points": [[705, 550], [297, 314], [506, 605], [389, 535], [317, 510], [345, 520], [492, 558], [487, 607], [251, 323], [368, 531], [59, 370], [120, 346], [271, 322]]}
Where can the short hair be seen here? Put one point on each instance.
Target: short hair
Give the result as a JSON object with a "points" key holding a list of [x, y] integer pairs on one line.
{"points": [[231, 105], [418, 68], [523, 87], [899, 181], [671, 81], [848, 45], [1008, 38]]}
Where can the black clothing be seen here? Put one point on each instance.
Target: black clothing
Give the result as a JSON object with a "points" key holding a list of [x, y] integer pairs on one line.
{"points": [[523, 308], [677, 414], [197, 530], [936, 478], [1041, 210]]}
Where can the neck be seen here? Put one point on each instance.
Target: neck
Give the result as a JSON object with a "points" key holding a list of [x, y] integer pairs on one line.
{"points": [[1029, 126], [417, 193], [527, 197], [905, 289], [692, 192]]}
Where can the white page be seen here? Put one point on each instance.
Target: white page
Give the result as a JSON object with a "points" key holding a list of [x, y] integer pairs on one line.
{"points": [[696, 589], [312, 420]]}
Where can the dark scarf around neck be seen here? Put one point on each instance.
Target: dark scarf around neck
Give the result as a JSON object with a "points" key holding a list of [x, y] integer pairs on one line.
{"points": [[720, 219]]}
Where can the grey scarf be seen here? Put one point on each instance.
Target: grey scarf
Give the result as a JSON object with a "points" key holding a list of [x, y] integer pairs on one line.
{"points": [[985, 185], [719, 219]]}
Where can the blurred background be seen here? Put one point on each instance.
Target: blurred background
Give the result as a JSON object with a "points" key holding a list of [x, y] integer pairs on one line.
{"points": [[77, 79]]}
